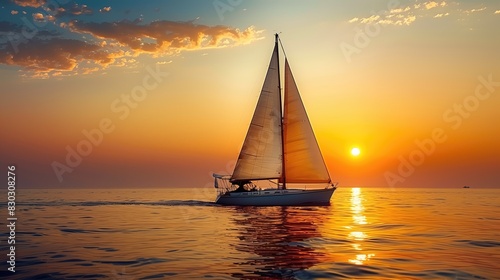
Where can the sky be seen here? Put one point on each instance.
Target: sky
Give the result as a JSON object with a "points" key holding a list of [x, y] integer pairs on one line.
{"points": [[106, 94]]}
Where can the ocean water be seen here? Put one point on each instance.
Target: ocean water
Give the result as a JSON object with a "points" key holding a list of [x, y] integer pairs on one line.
{"points": [[367, 233]]}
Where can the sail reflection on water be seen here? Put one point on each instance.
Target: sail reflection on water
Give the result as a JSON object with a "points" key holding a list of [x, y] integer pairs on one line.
{"points": [[279, 238]]}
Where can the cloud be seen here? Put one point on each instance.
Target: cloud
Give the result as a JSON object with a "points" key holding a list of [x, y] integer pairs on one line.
{"points": [[497, 12], [48, 54], [370, 19], [367, 20], [396, 16], [68, 10], [404, 20], [441, 15], [391, 19], [38, 17], [41, 17], [80, 10], [54, 54], [105, 10], [399, 10], [75, 10], [30, 3], [406, 15], [165, 37], [409, 20], [431, 4], [475, 10]]}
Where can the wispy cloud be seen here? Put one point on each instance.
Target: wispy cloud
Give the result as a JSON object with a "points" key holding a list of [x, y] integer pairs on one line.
{"points": [[475, 10], [396, 16], [407, 20], [399, 10], [370, 19], [441, 15], [406, 15], [164, 62], [353, 20]]}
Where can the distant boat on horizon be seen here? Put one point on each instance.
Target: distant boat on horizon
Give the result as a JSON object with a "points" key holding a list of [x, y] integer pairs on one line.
{"points": [[466, 187], [279, 147]]}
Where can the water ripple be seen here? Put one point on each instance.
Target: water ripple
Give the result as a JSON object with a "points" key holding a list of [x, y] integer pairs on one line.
{"points": [[364, 234], [481, 243]]}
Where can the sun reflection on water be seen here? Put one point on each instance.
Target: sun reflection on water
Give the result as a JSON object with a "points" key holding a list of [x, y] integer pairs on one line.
{"points": [[361, 258], [359, 219], [357, 207], [357, 235]]}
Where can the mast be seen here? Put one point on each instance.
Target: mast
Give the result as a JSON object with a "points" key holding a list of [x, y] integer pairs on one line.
{"points": [[283, 175]]}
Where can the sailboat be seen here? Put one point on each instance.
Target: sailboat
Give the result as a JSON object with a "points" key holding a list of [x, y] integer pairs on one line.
{"points": [[280, 147]]}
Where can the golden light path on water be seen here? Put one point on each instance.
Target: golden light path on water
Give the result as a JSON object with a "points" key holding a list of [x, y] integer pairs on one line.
{"points": [[358, 218]]}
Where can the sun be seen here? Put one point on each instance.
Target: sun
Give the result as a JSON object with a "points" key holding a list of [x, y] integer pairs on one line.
{"points": [[355, 151]]}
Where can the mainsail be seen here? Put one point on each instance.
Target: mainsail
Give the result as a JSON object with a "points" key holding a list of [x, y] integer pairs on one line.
{"points": [[261, 154], [303, 160]]}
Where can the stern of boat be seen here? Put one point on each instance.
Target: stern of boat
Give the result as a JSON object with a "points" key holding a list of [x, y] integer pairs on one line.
{"points": [[223, 184]]}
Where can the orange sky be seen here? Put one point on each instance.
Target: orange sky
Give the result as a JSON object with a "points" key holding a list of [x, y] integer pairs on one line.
{"points": [[179, 109]]}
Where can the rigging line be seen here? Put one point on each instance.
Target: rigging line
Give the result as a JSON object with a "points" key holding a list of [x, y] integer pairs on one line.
{"points": [[282, 48], [273, 182]]}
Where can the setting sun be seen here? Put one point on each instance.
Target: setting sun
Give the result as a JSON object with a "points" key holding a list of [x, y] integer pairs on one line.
{"points": [[355, 151]]}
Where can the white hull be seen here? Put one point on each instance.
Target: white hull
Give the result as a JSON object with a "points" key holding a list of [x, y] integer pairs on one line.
{"points": [[288, 197]]}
